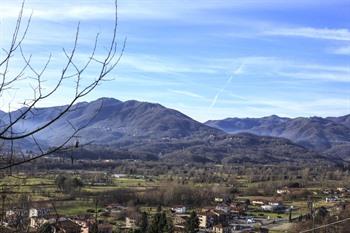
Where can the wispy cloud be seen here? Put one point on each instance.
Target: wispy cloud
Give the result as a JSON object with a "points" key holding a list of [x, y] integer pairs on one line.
{"points": [[57, 11], [187, 93], [318, 76], [259, 107], [342, 34], [345, 50], [161, 64], [134, 9], [281, 67]]}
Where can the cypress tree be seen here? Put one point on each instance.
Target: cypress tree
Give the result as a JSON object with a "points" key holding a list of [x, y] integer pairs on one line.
{"points": [[192, 223]]}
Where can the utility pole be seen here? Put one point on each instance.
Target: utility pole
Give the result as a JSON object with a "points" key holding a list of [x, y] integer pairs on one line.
{"points": [[4, 193], [310, 205], [3, 197]]}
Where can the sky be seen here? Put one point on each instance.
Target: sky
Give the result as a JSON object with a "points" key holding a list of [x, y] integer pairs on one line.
{"points": [[209, 59]]}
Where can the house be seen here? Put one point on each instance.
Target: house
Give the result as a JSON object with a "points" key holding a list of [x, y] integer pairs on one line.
{"points": [[36, 222], [84, 224], [64, 225], [267, 208], [239, 207], [179, 209], [67, 226], [10, 213], [15, 215], [221, 216], [250, 220], [341, 189], [220, 228], [105, 228], [327, 191], [179, 221], [273, 207], [33, 212], [284, 190], [130, 223], [275, 203], [331, 199], [223, 207], [118, 176], [207, 219], [203, 221], [258, 202]]}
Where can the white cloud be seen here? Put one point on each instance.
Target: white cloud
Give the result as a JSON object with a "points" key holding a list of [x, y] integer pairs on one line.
{"points": [[158, 64], [260, 107], [276, 66], [320, 76], [342, 34], [342, 50], [59, 10], [187, 93]]}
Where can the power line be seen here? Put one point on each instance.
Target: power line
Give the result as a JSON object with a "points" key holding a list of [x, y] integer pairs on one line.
{"points": [[326, 225]]}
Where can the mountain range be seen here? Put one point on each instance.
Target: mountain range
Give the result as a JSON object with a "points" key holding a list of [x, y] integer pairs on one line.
{"points": [[139, 130], [330, 136]]}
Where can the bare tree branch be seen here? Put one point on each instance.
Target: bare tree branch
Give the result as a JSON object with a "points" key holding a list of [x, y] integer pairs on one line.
{"points": [[105, 65]]}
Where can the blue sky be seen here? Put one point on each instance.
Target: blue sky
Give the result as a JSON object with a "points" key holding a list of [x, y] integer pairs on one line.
{"points": [[210, 59]]}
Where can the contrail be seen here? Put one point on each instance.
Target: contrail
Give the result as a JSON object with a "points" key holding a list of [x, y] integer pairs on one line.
{"points": [[235, 72]]}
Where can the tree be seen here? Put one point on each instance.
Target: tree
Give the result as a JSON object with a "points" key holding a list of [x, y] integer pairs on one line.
{"points": [[192, 223], [77, 183], [46, 228], [161, 224], [60, 181], [154, 227], [93, 228], [144, 222], [68, 184], [167, 224], [73, 71]]}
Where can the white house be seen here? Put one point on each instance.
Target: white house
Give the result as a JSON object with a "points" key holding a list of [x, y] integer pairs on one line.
{"points": [[331, 199], [223, 207], [179, 209], [33, 213], [283, 191]]}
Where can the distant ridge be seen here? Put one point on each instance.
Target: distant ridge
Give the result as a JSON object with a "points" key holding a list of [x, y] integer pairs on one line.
{"points": [[329, 135], [141, 130]]}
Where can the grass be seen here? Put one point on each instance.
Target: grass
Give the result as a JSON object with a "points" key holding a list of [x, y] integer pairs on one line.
{"points": [[72, 208]]}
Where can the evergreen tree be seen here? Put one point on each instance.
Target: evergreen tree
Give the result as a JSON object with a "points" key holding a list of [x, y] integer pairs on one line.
{"points": [[144, 222], [154, 227], [159, 208], [192, 223], [169, 227], [46, 228], [161, 224], [93, 228]]}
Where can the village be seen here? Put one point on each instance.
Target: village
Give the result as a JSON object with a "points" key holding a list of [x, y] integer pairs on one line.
{"points": [[222, 215]]}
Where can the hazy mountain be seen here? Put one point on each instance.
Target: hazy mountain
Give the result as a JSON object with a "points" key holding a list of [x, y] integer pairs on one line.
{"points": [[344, 120], [316, 133], [134, 129], [107, 121]]}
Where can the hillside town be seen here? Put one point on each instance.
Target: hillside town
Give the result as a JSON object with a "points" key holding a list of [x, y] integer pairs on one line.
{"points": [[225, 216]]}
